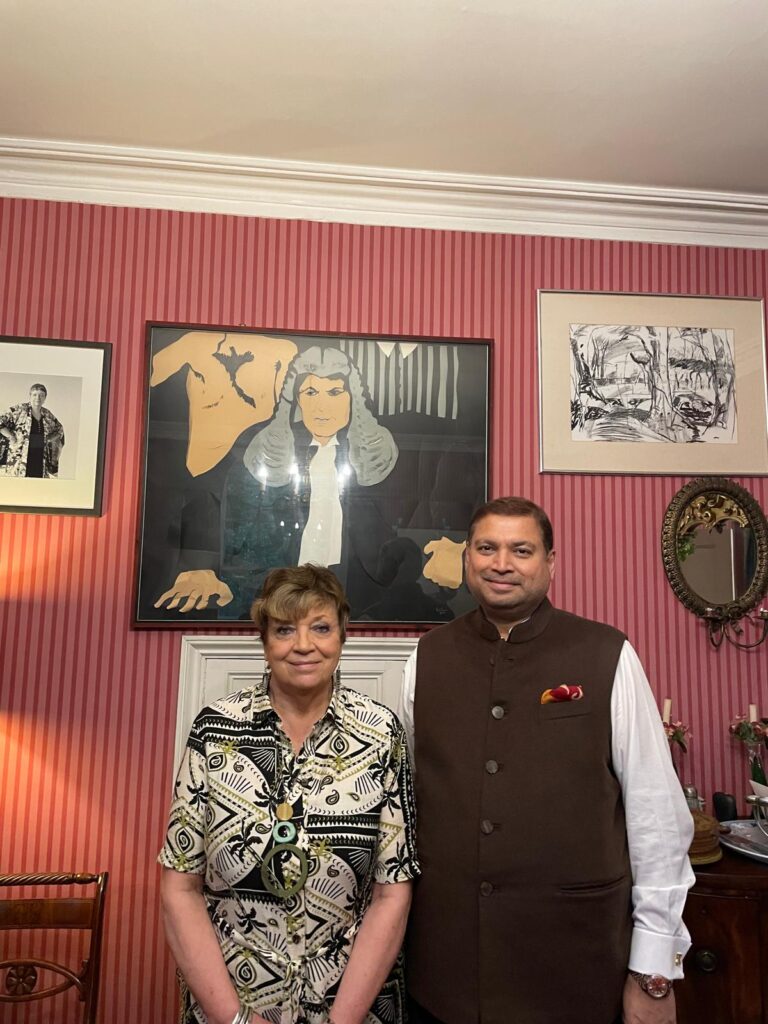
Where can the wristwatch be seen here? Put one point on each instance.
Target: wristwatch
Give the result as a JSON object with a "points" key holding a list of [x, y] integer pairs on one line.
{"points": [[654, 985]]}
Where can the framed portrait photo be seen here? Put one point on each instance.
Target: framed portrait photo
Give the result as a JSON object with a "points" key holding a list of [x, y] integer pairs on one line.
{"points": [[53, 423], [266, 448], [652, 384]]}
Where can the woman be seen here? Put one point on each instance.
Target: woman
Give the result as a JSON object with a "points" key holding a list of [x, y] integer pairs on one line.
{"points": [[32, 437], [290, 849]]}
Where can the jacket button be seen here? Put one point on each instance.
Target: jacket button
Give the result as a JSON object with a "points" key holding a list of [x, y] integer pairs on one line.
{"points": [[486, 827], [491, 767], [498, 711], [486, 888]]}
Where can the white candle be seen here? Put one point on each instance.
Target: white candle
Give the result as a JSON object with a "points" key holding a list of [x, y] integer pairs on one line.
{"points": [[753, 712], [667, 712]]}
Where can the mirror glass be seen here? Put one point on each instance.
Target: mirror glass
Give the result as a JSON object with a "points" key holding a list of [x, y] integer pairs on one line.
{"points": [[719, 564]]}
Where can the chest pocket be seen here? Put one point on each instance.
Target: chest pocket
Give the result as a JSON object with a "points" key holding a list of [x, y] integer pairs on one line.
{"points": [[563, 709]]}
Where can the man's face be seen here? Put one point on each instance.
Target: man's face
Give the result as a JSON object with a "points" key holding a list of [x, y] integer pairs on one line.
{"points": [[506, 568], [37, 398], [325, 406]]}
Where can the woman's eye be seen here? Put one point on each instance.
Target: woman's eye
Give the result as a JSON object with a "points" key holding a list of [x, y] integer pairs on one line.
{"points": [[322, 628], [283, 630], [336, 391], [310, 392]]}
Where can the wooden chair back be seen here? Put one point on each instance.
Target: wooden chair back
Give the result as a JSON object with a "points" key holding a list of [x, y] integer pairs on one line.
{"points": [[19, 976]]}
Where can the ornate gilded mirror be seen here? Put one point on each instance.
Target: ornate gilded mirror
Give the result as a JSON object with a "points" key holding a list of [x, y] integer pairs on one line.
{"points": [[714, 544]]}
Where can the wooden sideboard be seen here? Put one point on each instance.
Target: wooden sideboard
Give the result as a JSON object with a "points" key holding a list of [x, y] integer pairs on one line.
{"points": [[726, 970]]}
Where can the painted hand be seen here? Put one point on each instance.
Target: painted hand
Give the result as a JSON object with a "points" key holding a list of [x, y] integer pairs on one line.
{"points": [[233, 382], [195, 589], [444, 566]]}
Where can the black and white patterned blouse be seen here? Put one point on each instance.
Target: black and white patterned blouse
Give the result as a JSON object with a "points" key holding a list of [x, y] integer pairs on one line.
{"points": [[352, 796]]}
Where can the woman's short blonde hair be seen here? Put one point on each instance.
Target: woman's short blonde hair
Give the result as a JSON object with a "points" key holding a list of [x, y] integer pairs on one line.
{"points": [[291, 593]]}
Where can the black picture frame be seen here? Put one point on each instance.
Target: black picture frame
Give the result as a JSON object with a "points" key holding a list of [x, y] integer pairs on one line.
{"points": [[233, 418], [53, 463]]}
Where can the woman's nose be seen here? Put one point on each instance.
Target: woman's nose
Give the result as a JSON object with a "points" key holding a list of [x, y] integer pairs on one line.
{"points": [[303, 638]]}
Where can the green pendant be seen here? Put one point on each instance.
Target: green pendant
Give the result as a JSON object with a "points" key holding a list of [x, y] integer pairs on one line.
{"points": [[272, 883]]}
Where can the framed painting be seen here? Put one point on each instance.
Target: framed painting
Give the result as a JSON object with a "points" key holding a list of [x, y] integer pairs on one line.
{"points": [[265, 448], [651, 384], [53, 424]]}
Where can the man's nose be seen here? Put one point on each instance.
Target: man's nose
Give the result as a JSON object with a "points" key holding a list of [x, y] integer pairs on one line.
{"points": [[503, 561]]}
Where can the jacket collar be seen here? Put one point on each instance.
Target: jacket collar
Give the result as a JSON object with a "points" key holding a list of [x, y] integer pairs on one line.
{"points": [[528, 630]]}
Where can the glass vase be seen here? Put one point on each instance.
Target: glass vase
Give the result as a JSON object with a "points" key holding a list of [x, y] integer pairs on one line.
{"points": [[755, 761]]}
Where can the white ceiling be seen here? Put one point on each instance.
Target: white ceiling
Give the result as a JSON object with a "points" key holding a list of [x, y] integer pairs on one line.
{"points": [[659, 94]]}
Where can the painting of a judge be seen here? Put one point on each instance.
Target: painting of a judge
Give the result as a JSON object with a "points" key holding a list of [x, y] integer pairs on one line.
{"points": [[365, 456]]}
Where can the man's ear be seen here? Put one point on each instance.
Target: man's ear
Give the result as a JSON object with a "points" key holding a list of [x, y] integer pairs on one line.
{"points": [[551, 562]]}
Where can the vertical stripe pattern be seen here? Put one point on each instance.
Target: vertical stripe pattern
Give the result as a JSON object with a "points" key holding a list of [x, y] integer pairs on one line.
{"points": [[87, 706]]}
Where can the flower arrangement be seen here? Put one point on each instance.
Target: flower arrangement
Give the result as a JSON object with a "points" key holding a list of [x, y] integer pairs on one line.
{"points": [[753, 733], [749, 732], [679, 734]]}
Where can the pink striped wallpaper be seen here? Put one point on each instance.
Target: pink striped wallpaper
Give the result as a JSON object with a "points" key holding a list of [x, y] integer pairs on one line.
{"points": [[87, 706]]}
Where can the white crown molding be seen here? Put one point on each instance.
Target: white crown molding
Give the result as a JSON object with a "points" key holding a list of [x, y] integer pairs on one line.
{"points": [[166, 179]]}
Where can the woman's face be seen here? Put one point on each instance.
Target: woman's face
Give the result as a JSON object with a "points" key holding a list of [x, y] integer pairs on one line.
{"points": [[325, 406], [37, 398], [303, 655]]}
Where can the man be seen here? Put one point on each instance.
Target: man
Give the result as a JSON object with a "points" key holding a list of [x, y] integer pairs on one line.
{"points": [[31, 438], [553, 832]]}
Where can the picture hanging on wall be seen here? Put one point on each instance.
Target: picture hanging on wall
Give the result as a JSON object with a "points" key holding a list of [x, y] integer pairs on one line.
{"points": [[651, 384], [53, 424], [266, 448]]}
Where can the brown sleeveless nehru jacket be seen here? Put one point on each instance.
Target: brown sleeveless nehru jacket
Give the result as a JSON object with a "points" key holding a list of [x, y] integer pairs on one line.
{"points": [[523, 911]]}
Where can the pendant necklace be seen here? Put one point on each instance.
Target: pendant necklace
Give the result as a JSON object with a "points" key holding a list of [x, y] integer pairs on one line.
{"points": [[284, 833]]}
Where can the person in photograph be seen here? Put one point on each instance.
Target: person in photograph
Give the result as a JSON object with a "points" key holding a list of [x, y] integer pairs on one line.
{"points": [[33, 437], [288, 500], [553, 831], [290, 852]]}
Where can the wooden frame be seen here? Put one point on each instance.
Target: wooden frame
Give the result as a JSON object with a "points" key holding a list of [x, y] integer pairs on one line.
{"points": [[651, 384], [74, 378], [235, 416]]}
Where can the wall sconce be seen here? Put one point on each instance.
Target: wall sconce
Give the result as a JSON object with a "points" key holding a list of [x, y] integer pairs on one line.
{"points": [[721, 628]]}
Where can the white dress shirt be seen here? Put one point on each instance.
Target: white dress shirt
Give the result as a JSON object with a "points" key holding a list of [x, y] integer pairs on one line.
{"points": [[321, 539], [659, 823]]}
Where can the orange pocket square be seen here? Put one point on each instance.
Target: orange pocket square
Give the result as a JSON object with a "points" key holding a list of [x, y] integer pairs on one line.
{"points": [[563, 692]]}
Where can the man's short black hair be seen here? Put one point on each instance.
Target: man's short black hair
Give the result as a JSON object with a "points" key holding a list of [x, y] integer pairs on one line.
{"points": [[513, 506]]}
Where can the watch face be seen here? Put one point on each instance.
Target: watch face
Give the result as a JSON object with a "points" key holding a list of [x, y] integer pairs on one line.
{"points": [[657, 986]]}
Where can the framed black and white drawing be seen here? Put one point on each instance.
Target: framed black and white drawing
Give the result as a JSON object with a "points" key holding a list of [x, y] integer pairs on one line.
{"points": [[53, 422], [651, 384], [266, 448]]}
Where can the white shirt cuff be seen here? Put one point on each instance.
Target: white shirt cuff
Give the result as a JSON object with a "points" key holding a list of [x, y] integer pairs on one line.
{"points": [[651, 953]]}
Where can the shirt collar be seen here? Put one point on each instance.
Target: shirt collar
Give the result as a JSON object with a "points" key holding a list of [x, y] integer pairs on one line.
{"points": [[332, 442], [261, 706]]}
